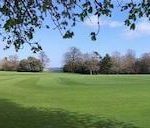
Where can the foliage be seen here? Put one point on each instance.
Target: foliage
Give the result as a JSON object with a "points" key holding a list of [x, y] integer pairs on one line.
{"points": [[128, 62], [72, 60], [106, 64], [77, 62], [9, 63], [20, 19], [93, 63], [143, 64], [30, 64], [12, 63], [116, 59]]}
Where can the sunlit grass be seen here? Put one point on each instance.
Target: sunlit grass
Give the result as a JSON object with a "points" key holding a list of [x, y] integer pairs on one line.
{"points": [[122, 97]]}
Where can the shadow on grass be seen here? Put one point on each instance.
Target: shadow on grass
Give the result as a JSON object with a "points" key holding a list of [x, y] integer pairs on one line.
{"points": [[15, 116]]}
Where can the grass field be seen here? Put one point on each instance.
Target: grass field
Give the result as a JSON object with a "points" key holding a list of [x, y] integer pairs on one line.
{"points": [[30, 100]]}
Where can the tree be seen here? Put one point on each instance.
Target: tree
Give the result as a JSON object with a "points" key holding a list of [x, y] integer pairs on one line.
{"points": [[91, 62], [44, 59], [21, 18], [24, 66], [144, 65], [13, 60], [10, 63], [77, 62], [31, 64], [106, 64], [128, 62], [72, 59], [5, 64], [1, 65], [138, 66], [116, 63]]}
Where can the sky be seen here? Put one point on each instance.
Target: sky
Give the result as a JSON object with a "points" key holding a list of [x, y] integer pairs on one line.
{"points": [[113, 36]]}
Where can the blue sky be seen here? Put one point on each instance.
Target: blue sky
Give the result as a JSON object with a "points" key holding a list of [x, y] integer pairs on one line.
{"points": [[113, 36]]}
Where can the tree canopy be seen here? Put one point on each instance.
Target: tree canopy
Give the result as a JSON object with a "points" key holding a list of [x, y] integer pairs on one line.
{"points": [[93, 63], [21, 18]]}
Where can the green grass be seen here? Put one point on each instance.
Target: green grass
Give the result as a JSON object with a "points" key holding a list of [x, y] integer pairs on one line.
{"points": [[32, 100]]}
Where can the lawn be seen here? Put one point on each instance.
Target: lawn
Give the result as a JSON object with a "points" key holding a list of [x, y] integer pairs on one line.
{"points": [[33, 100]]}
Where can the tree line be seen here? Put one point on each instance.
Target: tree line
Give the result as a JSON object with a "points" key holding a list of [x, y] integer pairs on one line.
{"points": [[93, 63], [30, 64]]}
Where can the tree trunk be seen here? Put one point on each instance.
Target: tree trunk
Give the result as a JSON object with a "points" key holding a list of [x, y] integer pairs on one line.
{"points": [[91, 73]]}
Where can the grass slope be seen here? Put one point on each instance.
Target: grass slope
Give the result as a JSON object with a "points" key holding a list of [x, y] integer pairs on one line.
{"points": [[125, 98]]}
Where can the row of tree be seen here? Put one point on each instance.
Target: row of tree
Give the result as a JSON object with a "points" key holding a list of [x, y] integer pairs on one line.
{"points": [[93, 63], [31, 64]]}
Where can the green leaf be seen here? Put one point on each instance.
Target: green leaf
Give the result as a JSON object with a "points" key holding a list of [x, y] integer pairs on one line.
{"points": [[93, 36], [90, 10], [132, 27]]}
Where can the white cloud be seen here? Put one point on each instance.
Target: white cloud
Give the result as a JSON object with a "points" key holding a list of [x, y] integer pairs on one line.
{"points": [[142, 29], [115, 24], [107, 22], [91, 21]]}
